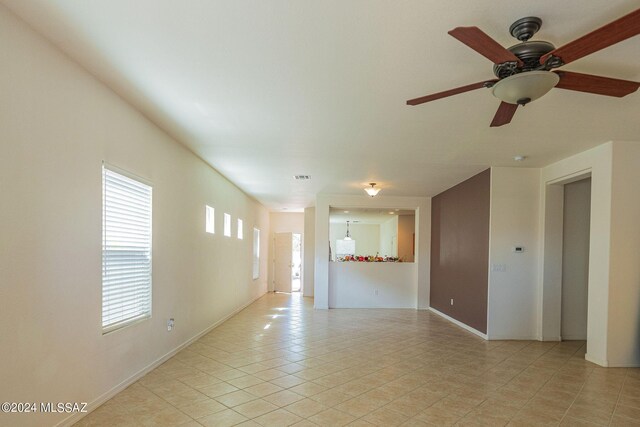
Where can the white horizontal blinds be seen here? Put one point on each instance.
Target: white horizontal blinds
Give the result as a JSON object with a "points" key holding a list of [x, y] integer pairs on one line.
{"points": [[126, 250]]}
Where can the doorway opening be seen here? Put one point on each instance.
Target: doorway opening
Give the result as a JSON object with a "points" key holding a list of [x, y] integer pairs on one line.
{"points": [[288, 262], [575, 260], [296, 271], [565, 277]]}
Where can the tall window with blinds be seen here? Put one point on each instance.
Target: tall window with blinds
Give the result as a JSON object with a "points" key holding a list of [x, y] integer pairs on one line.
{"points": [[126, 250]]}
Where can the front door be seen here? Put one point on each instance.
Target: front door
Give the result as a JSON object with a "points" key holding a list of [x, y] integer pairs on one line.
{"points": [[283, 261]]}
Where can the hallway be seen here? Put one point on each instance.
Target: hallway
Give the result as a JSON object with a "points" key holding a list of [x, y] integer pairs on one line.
{"points": [[280, 362]]}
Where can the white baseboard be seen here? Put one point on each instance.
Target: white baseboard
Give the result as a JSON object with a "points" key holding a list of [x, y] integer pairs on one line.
{"points": [[612, 363], [574, 338], [459, 323], [551, 339], [95, 404], [623, 364], [596, 360], [513, 337]]}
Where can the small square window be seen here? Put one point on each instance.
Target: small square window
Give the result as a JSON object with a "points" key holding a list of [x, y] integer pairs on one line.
{"points": [[227, 225], [240, 236], [210, 220]]}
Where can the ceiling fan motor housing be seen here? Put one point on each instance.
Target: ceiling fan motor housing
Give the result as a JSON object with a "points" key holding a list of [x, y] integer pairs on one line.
{"points": [[529, 53]]}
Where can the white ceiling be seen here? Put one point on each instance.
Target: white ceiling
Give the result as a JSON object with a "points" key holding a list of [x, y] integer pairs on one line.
{"points": [[264, 89]]}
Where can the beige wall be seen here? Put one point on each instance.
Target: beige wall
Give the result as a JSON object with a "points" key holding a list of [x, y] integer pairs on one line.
{"points": [[623, 334], [57, 124]]}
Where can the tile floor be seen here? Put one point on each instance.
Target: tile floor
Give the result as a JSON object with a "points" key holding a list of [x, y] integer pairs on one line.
{"points": [[280, 362]]}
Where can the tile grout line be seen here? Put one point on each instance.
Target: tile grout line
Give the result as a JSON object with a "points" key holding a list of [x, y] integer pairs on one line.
{"points": [[618, 398], [409, 358], [550, 378]]}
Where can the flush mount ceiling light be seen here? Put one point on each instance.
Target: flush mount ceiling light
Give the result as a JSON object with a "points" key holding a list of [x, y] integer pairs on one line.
{"points": [[372, 191], [347, 236], [521, 89]]}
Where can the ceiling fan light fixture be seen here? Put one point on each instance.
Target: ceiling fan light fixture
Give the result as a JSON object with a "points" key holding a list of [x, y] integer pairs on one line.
{"points": [[372, 191], [525, 87]]}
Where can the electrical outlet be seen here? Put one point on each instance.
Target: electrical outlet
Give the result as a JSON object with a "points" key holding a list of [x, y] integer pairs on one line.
{"points": [[376, 292], [170, 324], [451, 301]]}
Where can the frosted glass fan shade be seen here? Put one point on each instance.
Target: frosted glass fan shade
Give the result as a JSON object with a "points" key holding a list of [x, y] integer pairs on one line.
{"points": [[372, 191], [525, 87]]}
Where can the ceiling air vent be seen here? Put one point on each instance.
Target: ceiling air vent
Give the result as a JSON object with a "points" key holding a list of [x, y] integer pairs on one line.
{"points": [[302, 177]]}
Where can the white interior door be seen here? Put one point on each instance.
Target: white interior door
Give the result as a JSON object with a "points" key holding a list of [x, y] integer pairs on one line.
{"points": [[283, 261]]}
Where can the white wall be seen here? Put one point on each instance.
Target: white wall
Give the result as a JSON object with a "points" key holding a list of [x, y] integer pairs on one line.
{"points": [[366, 236], [283, 222], [309, 251], [512, 297], [321, 252], [613, 337], [389, 235], [623, 333], [423, 239], [597, 162], [373, 285], [575, 259], [57, 124]]}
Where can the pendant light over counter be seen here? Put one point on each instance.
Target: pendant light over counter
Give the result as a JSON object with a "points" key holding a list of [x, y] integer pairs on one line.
{"points": [[347, 236]]}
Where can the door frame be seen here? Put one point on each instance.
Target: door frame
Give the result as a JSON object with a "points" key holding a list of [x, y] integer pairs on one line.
{"points": [[550, 321]]}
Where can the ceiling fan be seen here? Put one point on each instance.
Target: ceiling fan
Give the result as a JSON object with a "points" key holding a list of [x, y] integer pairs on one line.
{"points": [[524, 71]]}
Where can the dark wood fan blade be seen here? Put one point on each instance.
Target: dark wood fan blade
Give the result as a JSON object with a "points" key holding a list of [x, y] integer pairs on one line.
{"points": [[450, 92], [596, 84], [477, 40], [615, 32], [504, 114]]}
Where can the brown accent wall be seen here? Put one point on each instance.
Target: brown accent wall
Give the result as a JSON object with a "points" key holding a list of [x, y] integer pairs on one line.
{"points": [[460, 251]]}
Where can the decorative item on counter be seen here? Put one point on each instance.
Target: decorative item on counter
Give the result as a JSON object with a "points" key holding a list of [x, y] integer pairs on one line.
{"points": [[368, 258]]}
